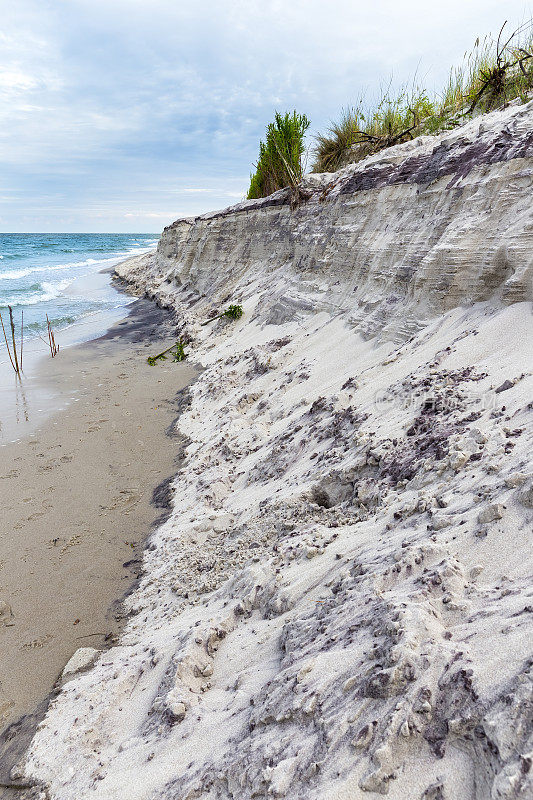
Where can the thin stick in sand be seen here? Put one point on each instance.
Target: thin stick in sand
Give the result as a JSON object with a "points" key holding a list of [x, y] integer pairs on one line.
{"points": [[7, 343], [54, 349], [17, 368], [21, 338]]}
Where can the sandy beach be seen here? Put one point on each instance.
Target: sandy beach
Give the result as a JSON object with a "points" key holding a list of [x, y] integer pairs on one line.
{"points": [[76, 500], [266, 516]]}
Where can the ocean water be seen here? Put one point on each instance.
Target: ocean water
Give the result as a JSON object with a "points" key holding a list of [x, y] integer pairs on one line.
{"points": [[57, 274]]}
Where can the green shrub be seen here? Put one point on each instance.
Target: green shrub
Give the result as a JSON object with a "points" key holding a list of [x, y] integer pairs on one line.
{"points": [[280, 156], [233, 312], [175, 350]]}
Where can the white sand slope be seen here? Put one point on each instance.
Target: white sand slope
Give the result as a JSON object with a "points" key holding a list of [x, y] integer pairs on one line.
{"points": [[340, 605]]}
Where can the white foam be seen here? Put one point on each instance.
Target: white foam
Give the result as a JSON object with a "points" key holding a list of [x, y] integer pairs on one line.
{"points": [[14, 274], [23, 273], [50, 292]]}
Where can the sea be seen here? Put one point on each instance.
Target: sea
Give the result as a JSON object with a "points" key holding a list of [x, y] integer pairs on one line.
{"points": [[58, 275], [67, 278]]}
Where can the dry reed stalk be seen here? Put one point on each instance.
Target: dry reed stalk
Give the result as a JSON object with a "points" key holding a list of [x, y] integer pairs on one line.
{"points": [[13, 357], [7, 343], [54, 348], [11, 322]]}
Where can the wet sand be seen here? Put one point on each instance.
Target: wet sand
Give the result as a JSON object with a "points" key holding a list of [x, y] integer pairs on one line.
{"points": [[75, 501]]}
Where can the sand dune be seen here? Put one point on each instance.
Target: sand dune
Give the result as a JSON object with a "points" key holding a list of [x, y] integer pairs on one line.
{"points": [[339, 604]]}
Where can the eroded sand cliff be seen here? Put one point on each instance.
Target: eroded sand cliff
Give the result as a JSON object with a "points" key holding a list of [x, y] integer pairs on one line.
{"points": [[337, 607]]}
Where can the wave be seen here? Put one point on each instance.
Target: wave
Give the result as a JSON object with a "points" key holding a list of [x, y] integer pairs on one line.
{"points": [[23, 273], [55, 322], [14, 274], [42, 293]]}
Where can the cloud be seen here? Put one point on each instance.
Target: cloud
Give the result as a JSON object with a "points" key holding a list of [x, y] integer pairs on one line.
{"points": [[116, 107]]}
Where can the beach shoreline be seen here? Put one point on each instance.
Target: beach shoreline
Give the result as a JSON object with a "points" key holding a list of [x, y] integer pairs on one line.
{"points": [[27, 402], [77, 506]]}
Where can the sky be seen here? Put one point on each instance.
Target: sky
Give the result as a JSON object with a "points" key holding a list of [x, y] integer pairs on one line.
{"points": [[123, 115]]}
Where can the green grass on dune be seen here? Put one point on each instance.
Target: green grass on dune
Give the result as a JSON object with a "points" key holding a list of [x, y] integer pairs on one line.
{"points": [[494, 73]]}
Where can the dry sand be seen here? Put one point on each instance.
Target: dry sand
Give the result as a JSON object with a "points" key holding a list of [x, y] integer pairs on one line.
{"points": [[75, 501]]}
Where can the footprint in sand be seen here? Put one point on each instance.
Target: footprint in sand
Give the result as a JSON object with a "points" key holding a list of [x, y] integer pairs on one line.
{"points": [[4, 710], [96, 425], [13, 473], [6, 614], [35, 643], [47, 467], [125, 499], [72, 542]]}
